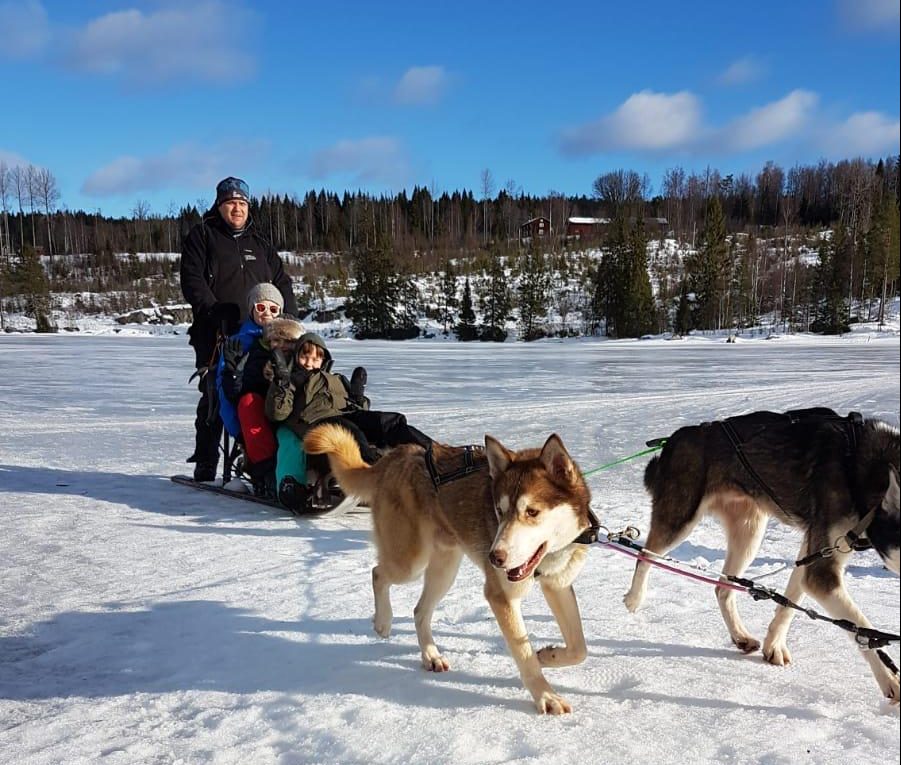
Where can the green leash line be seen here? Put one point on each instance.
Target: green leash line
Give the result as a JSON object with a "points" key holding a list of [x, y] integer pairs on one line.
{"points": [[655, 448]]}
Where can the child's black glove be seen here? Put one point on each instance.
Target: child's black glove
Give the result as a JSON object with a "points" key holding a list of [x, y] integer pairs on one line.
{"points": [[232, 353], [280, 368], [358, 385]]}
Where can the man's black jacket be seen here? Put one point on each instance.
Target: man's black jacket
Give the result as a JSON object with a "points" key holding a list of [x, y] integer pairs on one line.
{"points": [[219, 265]]}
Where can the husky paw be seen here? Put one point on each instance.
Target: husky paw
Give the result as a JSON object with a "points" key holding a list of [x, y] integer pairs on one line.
{"points": [[633, 601], [890, 688], [382, 625], [746, 644], [777, 653], [435, 662], [552, 703]]}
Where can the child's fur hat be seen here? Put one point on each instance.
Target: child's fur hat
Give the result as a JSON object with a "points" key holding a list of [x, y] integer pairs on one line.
{"points": [[284, 330]]}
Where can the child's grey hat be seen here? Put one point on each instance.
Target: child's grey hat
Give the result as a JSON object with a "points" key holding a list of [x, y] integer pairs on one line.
{"points": [[261, 292]]}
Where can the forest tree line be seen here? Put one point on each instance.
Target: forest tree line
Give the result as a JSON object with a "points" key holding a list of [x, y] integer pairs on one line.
{"points": [[743, 237]]}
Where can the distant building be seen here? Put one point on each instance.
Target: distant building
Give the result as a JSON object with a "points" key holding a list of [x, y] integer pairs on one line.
{"points": [[538, 228], [584, 228], [591, 228]]}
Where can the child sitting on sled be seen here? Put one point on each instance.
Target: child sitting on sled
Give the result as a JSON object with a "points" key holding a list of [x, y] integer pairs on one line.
{"points": [[305, 392], [243, 378]]}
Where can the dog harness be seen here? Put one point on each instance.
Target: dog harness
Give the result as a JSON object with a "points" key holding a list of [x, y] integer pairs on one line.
{"points": [[855, 539], [469, 465]]}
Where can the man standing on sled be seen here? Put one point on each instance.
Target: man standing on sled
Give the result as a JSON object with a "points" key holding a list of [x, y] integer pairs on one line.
{"points": [[222, 258]]}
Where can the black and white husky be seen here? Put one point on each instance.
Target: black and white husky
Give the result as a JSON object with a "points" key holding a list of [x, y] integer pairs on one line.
{"points": [[825, 474]]}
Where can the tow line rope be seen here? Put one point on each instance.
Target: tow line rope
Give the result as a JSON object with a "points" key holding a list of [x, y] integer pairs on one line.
{"points": [[866, 638], [656, 445]]}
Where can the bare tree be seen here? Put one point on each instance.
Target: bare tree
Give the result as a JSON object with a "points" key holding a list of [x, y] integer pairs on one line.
{"points": [[673, 192], [487, 191], [5, 189], [141, 213], [48, 195], [33, 196], [621, 190], [20, 186]]}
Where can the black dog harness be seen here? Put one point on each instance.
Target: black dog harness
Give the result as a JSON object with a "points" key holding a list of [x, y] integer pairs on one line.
{"points": [[849, 425], [468, 468]]}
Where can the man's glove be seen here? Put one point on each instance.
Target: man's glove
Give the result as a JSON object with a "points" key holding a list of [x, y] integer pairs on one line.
{"points": [[227, 313], [232, 353], [280, 368]]}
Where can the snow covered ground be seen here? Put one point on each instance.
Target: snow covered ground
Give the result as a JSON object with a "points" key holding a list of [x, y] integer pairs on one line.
{"points": [[143, 622]]}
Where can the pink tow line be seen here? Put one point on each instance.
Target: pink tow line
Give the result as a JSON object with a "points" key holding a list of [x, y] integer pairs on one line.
{"points": [[689, 574]]}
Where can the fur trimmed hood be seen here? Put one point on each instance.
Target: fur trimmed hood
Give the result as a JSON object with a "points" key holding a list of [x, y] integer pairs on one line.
{"points": [[284, 330]]}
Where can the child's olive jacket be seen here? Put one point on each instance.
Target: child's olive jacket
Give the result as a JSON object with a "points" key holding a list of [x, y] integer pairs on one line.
{"points": [[307, 397]]}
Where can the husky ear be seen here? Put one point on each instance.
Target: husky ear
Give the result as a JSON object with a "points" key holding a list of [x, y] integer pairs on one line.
{"points": [[556, 460], [891, 502], [499, 457]]}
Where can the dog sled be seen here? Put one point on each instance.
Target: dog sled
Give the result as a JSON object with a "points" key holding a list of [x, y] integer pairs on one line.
{"points": [[324, 495]]}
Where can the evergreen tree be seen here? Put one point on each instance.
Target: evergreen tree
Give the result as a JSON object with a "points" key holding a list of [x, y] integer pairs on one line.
{"points": [[466, 327], [883, 248], [830, 284], [682, 320], [31, 280], [448, 295], [636, 313], [707, 267], [532, 293], [496, 302], [373, 299]]}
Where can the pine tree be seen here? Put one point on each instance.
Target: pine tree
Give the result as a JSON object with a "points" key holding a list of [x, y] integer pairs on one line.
{"points": [[636, 304], [708, 266], [883, 248], [532, 293], [448, 295], [682, 320], [830, 284], [31, 280], [466, 327], [496, 302], [373, 299]]}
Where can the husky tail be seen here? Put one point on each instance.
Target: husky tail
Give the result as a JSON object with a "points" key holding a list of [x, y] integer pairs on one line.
{"points": [[353, 474]]}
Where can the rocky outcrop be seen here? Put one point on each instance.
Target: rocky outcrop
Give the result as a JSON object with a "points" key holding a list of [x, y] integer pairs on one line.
{"points": [[164, 314]]}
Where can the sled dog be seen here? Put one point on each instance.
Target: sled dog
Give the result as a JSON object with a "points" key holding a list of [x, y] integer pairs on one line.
{"points": [[515, 514], [811, 469]]}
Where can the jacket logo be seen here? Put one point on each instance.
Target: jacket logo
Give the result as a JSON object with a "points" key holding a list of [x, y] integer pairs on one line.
{"points": [[248, 255]]}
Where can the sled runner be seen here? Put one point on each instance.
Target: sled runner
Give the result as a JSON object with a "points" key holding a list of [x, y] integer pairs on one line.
{"points": [[326, 498]]}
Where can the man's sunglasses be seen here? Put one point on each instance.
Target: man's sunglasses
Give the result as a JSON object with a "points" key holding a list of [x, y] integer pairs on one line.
{"points": [[263, 307]]}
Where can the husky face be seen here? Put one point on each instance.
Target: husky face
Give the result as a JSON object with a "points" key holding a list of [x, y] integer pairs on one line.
{"points": [[540, 502]]}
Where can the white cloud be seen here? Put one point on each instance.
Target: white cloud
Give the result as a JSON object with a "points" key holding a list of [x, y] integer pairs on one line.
{"points": [[11, 159], [879, 15], [202, 41], [369, 160], [739, 72], [646, 121], [789, 117], [25, 29], [187, 166], [864, 134], [421, 85]]}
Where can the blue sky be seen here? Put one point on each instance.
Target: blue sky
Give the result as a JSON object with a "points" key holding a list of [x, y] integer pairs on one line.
{"points": [[156, 101]]}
